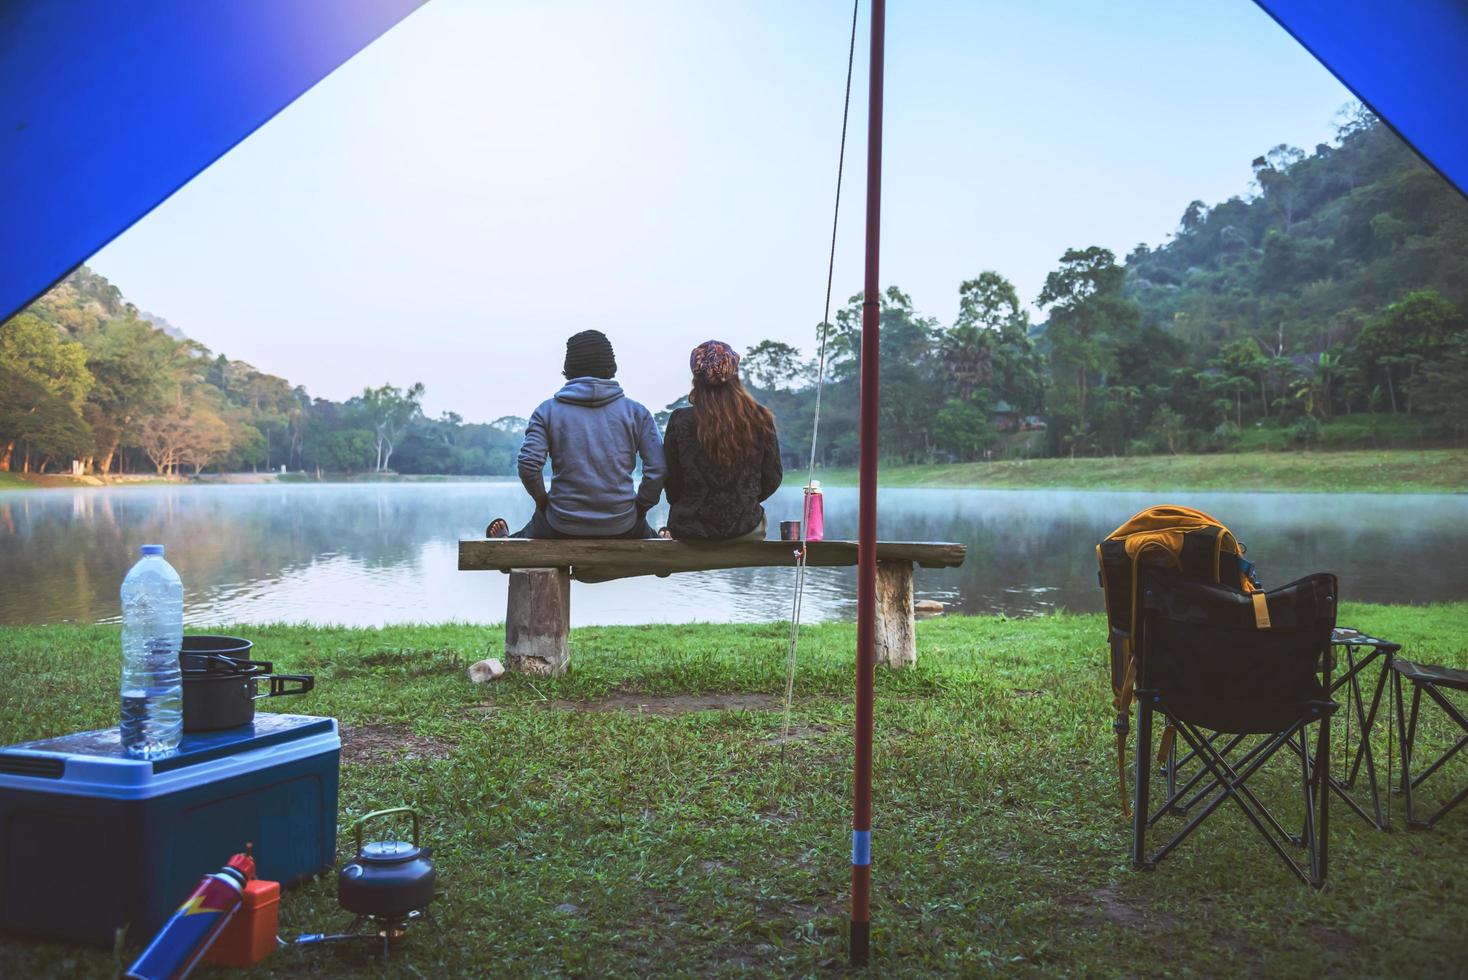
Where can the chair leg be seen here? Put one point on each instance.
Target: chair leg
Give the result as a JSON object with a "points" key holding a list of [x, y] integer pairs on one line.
{"points": [[1307, 789], [1442, 760], [1457, 716], [1406, 745], [1143, 779], [1339, 790], [1363, 753], [1172, 770], [1322, 830]]}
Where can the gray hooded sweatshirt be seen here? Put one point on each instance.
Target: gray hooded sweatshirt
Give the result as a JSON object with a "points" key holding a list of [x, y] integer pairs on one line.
{"points": [[593, 434]]}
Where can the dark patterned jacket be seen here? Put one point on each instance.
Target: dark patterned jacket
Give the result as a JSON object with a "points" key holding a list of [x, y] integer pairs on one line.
{"points": [[706, 502]]}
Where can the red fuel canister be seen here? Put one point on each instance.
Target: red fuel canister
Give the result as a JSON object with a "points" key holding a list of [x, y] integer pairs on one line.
{"points": [[251, 935]]}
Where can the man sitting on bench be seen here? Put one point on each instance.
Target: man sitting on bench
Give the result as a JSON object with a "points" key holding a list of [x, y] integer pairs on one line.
{"points": [[593, 434]]}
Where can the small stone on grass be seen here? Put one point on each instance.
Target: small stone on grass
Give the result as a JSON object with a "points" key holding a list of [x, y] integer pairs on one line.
{"points": [[486, 670]]}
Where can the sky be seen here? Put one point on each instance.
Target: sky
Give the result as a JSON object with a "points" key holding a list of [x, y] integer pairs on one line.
{"points": [[488, 178]]}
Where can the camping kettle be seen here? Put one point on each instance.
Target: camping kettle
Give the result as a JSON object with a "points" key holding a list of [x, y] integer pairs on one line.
{"points": [[387, 879]]}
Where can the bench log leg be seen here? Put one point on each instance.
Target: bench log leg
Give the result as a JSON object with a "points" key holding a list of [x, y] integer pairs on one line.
{"points": [[896, 639], [538, 621]]}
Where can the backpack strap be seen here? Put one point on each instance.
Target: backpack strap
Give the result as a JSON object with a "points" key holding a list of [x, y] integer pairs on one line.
{"points": [[1261, 610], [1199, 554]]}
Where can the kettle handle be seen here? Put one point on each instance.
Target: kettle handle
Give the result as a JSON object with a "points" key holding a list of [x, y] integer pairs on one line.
{"points": [[357, 826]]}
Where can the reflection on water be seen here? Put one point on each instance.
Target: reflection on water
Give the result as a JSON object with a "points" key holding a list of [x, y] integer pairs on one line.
{"points": [[371, 554]]}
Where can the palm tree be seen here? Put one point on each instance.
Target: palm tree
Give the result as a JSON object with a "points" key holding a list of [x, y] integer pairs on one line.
{"points": [[968, 358]]}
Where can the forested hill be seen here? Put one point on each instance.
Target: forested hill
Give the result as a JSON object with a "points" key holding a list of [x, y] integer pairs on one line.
{"points": [[1331, 239], [85, 376], [1327, 307]]}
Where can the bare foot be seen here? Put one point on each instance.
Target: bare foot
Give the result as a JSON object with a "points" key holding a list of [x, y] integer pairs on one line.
{"points": [[498, 528], [665, 534]]}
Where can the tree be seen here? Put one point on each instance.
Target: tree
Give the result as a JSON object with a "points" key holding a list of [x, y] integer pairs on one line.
{"points": [[47, 367], [990, 302], [1277, 181], [1171, 428], [37, 351], [1444, 386], [1242, 362], [774, 366], [1088, 316], [390, 410], [988, 345], [968, 358], [207, 436], [1408, 333], [1193, 217], [964, 429], [43, 424], [162, 436], [132, 363], [346, 449]]}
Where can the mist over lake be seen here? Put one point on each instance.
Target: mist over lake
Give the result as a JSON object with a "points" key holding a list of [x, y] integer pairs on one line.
{"points": [[372, 554]]}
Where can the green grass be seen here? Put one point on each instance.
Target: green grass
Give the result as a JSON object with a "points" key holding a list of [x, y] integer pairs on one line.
{"points": [[379, 478], [699, 844], [1362, 430], [1361, 471], [42, 481]]}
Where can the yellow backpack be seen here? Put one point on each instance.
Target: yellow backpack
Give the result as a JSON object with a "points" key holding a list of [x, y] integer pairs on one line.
{"points": [[1189, 542]]}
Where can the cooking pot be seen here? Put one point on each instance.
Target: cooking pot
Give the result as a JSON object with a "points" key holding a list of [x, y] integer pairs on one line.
{"points": [[221, 685]]}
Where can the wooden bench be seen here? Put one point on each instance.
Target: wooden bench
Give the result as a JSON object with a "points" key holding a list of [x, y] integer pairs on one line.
{"points": [[538, 617]]}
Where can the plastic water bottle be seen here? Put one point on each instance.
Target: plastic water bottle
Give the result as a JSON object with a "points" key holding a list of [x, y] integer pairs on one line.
{"points": [[152, 633]]}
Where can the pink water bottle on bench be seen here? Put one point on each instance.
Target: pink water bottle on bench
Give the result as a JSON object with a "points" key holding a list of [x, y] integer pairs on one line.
{"points": [[815, 514]]}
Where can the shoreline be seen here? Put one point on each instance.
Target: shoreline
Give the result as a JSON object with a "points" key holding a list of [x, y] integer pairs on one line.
{"points": [[1387, 471]]}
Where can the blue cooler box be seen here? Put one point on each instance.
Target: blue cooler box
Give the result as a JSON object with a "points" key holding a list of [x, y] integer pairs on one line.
{"points": [[91, 840]]}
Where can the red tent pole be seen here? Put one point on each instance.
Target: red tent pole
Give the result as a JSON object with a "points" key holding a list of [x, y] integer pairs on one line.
{"points": [[866, 590]]}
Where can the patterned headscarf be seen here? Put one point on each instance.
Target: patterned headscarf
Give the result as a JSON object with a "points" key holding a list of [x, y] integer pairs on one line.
{"points": [[713, 362]]}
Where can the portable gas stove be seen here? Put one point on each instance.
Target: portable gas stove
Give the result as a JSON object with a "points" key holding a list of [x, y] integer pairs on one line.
{"points": [[387, 885]]}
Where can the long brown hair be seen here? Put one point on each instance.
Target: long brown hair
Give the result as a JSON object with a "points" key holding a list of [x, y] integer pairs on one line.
{"points": [[729, 423]]}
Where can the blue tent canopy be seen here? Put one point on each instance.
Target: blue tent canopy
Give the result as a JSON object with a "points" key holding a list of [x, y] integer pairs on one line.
{"points": [[107, 108], [1408, 61]]}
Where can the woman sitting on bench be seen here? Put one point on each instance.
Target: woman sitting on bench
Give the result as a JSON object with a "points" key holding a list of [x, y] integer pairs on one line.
{"points": [[722, 454]]}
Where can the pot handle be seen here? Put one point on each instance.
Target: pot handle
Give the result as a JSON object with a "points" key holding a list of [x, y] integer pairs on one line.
{"points": [[357, 826], [281, 684]]}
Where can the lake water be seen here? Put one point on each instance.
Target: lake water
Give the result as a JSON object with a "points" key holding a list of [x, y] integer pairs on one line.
{"points": [[370, 554]]}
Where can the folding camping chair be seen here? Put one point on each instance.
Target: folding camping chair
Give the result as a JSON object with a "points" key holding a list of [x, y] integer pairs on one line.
{"points": [[1223, 665], [1431, 680]]}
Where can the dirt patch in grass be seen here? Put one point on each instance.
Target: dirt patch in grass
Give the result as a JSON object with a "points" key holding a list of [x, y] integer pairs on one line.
{"points": [[1331, 940], [1110, 905], [373, 745], [669, 705]]}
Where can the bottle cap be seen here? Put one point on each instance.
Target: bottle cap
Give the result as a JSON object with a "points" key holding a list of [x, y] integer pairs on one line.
{"points": [[152, 549], [815, 486]]}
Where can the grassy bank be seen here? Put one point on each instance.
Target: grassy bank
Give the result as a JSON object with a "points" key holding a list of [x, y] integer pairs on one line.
{"points": [[44, 481], [1362, 471], [1352, 471], [631, 840], [367, 478]]}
